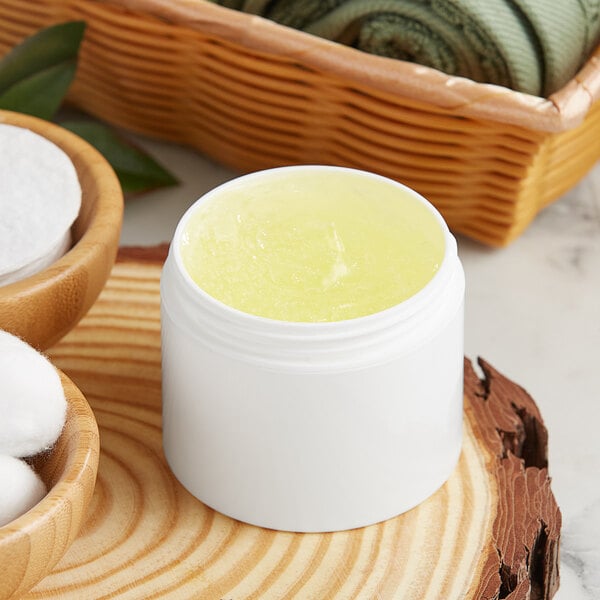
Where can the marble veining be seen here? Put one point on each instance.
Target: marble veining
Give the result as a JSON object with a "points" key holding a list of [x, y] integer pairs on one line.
{"points": [[580, 548]]}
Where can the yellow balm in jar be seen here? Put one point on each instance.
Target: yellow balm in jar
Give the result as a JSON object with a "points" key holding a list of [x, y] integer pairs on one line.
{"points": [[328, 247], [312, 349]]}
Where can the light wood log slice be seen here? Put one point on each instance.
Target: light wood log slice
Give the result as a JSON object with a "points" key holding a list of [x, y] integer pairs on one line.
{"points": [[490, 532]]}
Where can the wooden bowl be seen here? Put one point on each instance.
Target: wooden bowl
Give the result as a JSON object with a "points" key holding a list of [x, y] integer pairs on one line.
{"points": [[44, 307], [32, 544]]}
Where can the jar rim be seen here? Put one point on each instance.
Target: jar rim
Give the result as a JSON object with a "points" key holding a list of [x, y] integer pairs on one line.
{"points": [[396, 312]]}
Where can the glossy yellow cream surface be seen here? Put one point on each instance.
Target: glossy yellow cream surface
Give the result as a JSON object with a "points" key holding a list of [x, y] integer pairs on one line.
{"points": [[312, 246]]}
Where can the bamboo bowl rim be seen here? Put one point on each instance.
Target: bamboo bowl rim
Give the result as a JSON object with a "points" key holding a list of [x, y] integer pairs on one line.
{"points": [[107, 210], [45, 306], [53, 523]]}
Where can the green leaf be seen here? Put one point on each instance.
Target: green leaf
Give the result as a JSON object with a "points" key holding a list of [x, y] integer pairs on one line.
{"points": [[36, 74], [136, 170], [40, 94]]}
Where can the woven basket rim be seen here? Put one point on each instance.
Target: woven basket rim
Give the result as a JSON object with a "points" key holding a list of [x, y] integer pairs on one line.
{"points": [[563, 110]]}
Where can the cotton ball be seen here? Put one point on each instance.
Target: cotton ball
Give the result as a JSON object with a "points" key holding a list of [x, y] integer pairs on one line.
{"points": [[20, 488], [32, 400]]}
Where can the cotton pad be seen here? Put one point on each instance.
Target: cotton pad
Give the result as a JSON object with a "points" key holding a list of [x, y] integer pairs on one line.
{"points": [[32, 400], [20, 488], [40, 198]]}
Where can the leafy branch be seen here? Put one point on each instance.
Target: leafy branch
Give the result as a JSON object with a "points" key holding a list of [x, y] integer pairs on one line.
{"points": [[34, 79]]}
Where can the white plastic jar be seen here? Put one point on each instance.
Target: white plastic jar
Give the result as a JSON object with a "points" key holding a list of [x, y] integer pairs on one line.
{"points": [[312, 426]]}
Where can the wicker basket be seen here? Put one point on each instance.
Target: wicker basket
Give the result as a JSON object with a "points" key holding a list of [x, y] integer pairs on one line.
{"points": [[253, 94]]}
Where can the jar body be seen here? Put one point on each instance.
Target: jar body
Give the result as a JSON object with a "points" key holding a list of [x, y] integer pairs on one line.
{"points": [[324, 447]]}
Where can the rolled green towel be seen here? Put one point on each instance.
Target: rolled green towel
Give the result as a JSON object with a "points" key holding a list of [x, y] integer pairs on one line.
{"points": [[533, 46]]}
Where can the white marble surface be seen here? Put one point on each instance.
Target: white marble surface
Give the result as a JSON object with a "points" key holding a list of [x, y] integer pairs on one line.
{"points": [[533, 311]]}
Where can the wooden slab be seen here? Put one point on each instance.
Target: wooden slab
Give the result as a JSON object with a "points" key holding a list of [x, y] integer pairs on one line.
{"points": [[491, 532]]}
